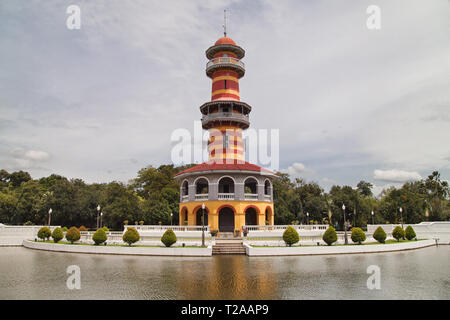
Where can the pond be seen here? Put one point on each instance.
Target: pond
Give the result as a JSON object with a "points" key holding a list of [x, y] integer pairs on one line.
{"points": [[415, 274]]}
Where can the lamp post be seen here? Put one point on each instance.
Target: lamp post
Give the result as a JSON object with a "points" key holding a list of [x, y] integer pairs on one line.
{"points": [[307, 218], [49, 216], [372, 216], [171, 215], [203, 225], [98, 212], [345, 225], [401, 216], [101, 220]]}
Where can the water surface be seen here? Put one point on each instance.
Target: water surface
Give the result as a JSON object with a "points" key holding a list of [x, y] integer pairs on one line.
{"points": [[416, 274]]}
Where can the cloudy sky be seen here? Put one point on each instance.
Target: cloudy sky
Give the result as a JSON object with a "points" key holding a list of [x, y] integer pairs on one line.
{"points": [[350, 103]]}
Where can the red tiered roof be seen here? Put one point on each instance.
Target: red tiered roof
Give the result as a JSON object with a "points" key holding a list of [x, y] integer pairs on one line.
{"points": [[236, 166]]}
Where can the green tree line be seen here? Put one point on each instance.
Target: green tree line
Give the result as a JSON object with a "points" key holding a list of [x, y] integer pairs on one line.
{"points": [[153, 195]]}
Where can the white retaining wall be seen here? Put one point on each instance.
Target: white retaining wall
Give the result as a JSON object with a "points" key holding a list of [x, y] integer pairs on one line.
{"points": [[424, 230], [322, 250], [14, 235], [144, 251]]}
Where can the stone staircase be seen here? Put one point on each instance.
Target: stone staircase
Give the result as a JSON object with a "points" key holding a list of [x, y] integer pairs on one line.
{"points": [[228, 246]]}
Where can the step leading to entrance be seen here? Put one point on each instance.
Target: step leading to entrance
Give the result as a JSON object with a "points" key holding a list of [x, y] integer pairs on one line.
{"points": [[232, 246]]}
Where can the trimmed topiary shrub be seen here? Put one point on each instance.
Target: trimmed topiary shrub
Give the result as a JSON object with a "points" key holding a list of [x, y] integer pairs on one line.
{"points": [[214, 232], [105, 229], [57, 234], [169, 238], [65, 229], [131, 236], [44, 233], [330, 236], [358, 236], [410, 233], [73, 235], [290, 236], [28, 223], [398, 233], [83, 229], [99, 236], [379, 235]]}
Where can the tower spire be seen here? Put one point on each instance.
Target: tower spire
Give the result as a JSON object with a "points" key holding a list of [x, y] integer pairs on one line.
{"points": [[225, 22]]}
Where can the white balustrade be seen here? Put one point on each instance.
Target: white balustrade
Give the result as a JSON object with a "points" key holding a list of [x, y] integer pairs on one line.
{"points": [[226, 196], [251, 196], [201, 197]]}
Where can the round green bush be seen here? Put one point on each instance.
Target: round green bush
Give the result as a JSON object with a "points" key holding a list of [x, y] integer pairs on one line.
{"points": [[65, 229], [131, 236], [44, 233], [57, 234], [73, 234], [410, 233], [99, 236], [290, 236], [330, 236], [358, 236], [379, 235], [169, 238], [214, 232], [398, 233], [105, 229]]}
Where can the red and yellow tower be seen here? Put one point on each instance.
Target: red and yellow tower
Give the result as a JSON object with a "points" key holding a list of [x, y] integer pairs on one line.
{"points": [[234, 192]]}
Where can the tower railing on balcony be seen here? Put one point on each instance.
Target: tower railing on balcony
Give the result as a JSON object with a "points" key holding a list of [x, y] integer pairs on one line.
{"points": [[251, 196], [267, 197], [185, 198], [225, 196], [201, 196], [226, 116], [225, 60]]}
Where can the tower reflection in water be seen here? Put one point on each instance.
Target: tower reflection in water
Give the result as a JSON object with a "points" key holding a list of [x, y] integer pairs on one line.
{"points": [[228, 277]]}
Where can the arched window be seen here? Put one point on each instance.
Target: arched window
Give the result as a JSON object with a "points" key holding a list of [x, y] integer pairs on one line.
{"points": [[201, 186], [267, 187], [251, 186], [226, 185], [184, 188]]}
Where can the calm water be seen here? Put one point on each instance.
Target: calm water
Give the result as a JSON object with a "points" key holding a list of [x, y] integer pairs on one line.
{"points": [[417, 274]]}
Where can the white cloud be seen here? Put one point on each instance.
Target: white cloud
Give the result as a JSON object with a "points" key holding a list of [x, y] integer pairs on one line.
{"points": [[296, 169], [396, 175], [37, 155]]}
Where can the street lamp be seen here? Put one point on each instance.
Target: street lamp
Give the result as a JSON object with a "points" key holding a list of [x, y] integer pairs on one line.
{"points": [[307, 218], [171, 215], [203, 225], [98, 211], [49, 216], [345, 225], [401, 216], [101, 220], [372, 216]]}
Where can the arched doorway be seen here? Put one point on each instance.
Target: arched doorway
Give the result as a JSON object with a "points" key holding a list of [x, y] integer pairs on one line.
{"points": [[251, 217], [198, 217], [226, 220]]}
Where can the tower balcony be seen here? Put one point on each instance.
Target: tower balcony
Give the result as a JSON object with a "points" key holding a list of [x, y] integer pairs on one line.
{"points": [[225, 62], [242, 119]]}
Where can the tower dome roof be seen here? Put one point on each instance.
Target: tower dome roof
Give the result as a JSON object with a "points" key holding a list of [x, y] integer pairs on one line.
{"points": [[225, 40]]}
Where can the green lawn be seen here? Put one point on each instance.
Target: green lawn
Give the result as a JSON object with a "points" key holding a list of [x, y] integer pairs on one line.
{"points": [[391, 241]]}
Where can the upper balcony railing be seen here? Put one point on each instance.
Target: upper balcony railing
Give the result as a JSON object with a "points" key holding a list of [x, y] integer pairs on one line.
{"points": [[226, 116], [225, 62]]}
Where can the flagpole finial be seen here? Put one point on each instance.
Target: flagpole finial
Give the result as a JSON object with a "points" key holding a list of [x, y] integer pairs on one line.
{"points": [[225, 22]]}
